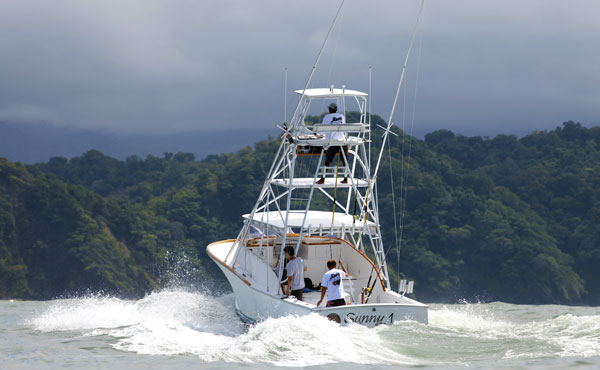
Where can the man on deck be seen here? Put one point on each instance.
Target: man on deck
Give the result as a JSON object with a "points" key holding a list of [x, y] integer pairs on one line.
{"points": [[295, 272], [332, 285]]}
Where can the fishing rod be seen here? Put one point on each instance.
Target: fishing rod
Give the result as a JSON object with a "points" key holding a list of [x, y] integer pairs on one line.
{"points": [[366, 289], [371, 186], [389, 125], [370, 289], [293, 129], [314, 68]]}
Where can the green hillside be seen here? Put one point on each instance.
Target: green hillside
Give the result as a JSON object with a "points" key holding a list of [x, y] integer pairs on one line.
{"points": [[484, 218]]}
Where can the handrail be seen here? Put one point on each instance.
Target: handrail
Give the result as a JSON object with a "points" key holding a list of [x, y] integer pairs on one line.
{"points": [[346, 127]]}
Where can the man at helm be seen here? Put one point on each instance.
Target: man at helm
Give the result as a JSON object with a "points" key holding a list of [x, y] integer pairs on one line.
{"points": [[334, 118]]}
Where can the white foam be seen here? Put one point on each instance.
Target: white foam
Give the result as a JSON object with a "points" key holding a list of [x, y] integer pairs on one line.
{"points": [[574, 335], [179, 322], [288, 341], [312, 340], [561, 336], [470, 319], [175, 322], [86, 313], [103, 312]]}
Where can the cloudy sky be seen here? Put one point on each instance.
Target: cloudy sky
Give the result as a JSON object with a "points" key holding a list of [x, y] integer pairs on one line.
{"points": [[477, 68]]}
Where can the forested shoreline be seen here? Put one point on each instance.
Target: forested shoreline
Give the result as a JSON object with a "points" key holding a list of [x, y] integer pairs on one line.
{"points": [[503, 218]]}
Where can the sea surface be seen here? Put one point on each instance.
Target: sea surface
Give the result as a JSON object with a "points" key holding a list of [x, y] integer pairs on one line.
{"points": [[180, 328]]}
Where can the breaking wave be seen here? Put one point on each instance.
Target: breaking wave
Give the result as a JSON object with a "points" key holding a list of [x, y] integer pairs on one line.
{"points": [[182, 322], [179, 322]]}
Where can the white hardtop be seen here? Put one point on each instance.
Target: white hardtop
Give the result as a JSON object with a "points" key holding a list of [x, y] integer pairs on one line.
{"points": [[314, 219], [329, 93]]}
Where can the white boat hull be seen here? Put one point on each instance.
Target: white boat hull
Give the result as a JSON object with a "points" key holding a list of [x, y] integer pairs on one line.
{"points": [[253, 304]]}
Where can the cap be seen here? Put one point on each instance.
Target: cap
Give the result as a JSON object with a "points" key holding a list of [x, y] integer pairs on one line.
{"points": [[333, 106]]}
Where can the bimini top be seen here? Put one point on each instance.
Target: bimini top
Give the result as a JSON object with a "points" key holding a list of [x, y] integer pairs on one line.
{"points": [[314, 219], [329, 93]]}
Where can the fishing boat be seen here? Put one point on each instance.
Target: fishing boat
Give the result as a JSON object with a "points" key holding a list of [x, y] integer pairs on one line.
{"points": [[336, 218]]}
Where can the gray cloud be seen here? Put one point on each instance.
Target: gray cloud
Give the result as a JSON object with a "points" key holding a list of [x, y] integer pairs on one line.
{"points": [[156, 66]]}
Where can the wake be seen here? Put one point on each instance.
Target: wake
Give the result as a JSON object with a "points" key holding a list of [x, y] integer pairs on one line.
{"points": [[529, 331], [176, 321], [180, 322]]}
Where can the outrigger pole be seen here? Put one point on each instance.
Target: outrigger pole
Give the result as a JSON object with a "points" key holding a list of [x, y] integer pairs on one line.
{"points": [[389, 124], [293, 127], [314, 68], [380, 254]]}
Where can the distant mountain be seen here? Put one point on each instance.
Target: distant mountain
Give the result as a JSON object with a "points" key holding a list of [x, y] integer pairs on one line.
{"points": [[33, 143]]}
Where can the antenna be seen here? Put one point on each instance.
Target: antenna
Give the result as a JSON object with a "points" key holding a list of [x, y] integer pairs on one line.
{"points": [[344, 98], [370, 99], [285, 96]]}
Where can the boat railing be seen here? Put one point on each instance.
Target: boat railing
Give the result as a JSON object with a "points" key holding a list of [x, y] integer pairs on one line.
{"points": [[346, 127], [308, 182], [354, 134], [334, 171]]}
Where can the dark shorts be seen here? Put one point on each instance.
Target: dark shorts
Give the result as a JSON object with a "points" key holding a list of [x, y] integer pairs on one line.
{"points": [[336, 302], [297, 293], [332, 151]]}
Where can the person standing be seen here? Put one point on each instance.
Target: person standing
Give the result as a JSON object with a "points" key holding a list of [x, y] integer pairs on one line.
{"points": [[333, 286], [295, 273], [334, 118]]}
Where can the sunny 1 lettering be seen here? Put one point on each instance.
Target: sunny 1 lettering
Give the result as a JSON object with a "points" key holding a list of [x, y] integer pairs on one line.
{"points": [[370, 318]]}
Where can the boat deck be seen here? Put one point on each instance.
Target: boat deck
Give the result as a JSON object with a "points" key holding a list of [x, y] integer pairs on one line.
{"points": [[305, 182], [313, 297]]}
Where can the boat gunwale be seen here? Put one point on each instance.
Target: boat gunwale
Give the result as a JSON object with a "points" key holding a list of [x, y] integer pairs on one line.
{"points": [[363, 254], [216, 259]]}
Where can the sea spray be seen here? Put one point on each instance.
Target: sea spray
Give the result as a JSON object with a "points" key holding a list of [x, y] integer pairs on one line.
{"points": [[570, 335], [313, 340], [168, 306], [180, 322], [89, 312], [179, 271], [472, 318], [535, 333]]}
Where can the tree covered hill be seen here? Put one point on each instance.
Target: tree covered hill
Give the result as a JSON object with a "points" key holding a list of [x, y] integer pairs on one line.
{"points": [[557, 175], [495, 219], [55, 238]]}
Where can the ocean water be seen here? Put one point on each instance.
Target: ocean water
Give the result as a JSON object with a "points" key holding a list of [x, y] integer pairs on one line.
{"points": [[179, 328]]}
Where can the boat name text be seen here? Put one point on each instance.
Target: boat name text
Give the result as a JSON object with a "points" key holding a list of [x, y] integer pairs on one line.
{"points": [[369, 318]]}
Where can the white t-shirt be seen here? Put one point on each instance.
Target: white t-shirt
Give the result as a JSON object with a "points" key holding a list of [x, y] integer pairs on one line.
{"points": [[295, 268], [334, 119], [332, 280]]}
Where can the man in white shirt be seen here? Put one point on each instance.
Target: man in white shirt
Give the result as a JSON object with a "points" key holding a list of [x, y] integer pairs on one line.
{"points": [[295, 273], [334, 118], [333, 286]]}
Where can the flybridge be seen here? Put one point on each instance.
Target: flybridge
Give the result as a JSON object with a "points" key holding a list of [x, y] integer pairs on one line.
{"points": [[316, 136], [293, 201]]}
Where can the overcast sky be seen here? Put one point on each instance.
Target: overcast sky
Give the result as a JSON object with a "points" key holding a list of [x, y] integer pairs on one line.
{"points": [[477, 68]]}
